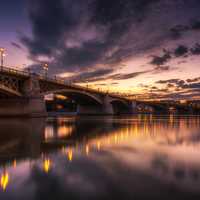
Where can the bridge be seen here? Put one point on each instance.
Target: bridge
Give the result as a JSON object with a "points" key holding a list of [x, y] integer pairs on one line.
{"points": [[22, 94]]}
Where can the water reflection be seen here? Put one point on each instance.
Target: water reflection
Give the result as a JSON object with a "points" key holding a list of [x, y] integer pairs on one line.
{"points": [[4, 180], [100, 157]]}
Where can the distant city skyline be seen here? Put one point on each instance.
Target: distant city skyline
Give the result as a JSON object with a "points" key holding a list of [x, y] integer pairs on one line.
{"points": [[144, 46]]}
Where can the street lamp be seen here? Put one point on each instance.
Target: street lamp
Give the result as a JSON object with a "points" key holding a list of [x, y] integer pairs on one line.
{"points": [[87, 84], [2, 55], [45, 68]]}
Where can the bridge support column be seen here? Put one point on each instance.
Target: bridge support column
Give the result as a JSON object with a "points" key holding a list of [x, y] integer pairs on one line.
{"points": [[22, 107], [104, 109], [107, 107], [133, 107], [36, 104]]}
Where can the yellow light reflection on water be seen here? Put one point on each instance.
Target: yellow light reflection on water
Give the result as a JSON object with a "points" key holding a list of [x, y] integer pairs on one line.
{"points": [[47, 165], [98, 145], [4, 180], [70, 155], [87, 150]]}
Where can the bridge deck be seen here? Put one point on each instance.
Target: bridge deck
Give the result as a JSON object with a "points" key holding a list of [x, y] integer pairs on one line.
{"points": [[57, 81]]}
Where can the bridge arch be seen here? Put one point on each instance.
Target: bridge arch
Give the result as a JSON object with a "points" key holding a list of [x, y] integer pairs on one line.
{"points": [[80, 97]]}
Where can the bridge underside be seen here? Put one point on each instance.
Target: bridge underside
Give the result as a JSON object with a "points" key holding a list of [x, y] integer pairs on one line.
{"points": [[93, 105], [88, 104]]}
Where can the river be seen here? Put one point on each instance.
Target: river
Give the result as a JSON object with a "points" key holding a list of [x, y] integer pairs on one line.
{"points": [[124, 157]]}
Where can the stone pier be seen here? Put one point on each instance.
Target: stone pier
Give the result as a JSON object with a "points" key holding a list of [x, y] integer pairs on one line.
{"points": [[32, 103], [104, 109]]}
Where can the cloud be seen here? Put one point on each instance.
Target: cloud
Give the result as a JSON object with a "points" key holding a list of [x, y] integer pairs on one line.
{"points": [[193, 80], [181, 50], [102, 75], [192, 86], [126, 76], [92, 76], [196, 49], [177, 31], [78, 34], [93, 38], [161, 60], [16, 45], [195, 25], [176, 82]]}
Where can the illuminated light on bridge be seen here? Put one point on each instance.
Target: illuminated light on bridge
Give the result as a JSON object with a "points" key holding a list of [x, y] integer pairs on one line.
{"points": [[4, 180], [60, 97], [2, 55], [64, 131], [45, 68], [47, 165]]}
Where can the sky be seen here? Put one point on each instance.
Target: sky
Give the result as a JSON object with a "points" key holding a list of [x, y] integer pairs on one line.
{"points": [[148, 48]]}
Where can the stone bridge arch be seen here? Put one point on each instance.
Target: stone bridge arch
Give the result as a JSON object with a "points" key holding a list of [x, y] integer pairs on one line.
{"points": [[80, 97]]}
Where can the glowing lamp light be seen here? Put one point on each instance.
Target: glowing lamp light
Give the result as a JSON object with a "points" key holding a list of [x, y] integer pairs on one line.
{"points": [[46, 67], [4, 180], [2, 50]]}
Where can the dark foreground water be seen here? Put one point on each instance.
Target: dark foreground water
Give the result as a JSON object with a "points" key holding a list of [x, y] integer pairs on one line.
{"points": [[139, 157]]}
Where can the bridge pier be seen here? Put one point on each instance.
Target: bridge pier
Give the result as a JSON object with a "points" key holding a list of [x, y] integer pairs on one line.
{"points": [[23, 107], [32, 103], [133, 107], [104, 109]]}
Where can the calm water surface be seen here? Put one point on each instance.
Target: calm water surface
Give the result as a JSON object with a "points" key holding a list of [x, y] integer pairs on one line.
{"points": [[139, 157]]}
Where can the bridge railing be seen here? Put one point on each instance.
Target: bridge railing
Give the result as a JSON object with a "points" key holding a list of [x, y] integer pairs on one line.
{"points": [[59, 80], [64, 82], [14, 71]]}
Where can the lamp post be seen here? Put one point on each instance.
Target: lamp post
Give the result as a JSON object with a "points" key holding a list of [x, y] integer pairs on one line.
{"points": [[87, 85], [2, 54], [45, 68]]}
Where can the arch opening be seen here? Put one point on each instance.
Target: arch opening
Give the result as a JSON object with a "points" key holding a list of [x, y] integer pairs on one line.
{"points": [[79, 101]]}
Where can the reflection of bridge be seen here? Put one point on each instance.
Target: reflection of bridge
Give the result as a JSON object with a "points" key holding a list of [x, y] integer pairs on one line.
{"points": [[22, 93]]}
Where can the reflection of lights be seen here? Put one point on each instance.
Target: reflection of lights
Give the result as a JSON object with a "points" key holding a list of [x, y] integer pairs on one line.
{"points": [[87, 150], [64, 131], [48, 133], [14, 163], [70, 155], [171, 118], [4, 180], [46, 165], [98, 145]]}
